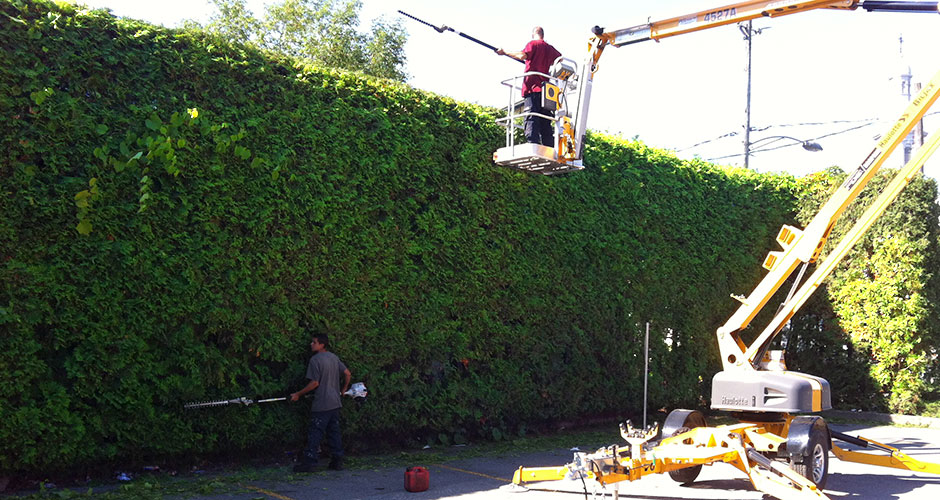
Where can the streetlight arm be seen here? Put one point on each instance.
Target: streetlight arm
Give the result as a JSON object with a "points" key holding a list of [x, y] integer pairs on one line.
{"points": [[807, 145]]}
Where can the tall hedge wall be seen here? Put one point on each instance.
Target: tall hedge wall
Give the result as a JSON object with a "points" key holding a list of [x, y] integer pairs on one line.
{"points": [[178, 214]]}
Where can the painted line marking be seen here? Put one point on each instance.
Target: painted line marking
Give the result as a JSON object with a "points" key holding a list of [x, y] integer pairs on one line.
{"points": [[266, 492], [500, 479]]}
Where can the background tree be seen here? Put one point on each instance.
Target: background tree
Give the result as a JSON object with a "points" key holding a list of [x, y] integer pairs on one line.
{"points": [[323, 31]]}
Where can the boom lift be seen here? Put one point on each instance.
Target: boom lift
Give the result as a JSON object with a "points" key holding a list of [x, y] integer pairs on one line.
{"points": [[568, 91], [754, 385]]}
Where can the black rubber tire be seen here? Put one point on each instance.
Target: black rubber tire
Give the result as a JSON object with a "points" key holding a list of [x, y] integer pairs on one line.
{"points": [[677, 422], [815, 466]]}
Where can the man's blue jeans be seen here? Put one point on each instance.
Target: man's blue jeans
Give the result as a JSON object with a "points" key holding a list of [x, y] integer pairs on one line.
{"points": [[323, 423]]}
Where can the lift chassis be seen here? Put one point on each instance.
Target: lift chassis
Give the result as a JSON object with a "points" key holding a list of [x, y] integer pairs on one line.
{"points": [[791, 467], [784, 454]]}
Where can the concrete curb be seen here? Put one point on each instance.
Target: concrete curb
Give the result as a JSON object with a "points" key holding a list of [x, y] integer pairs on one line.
{"points": [[869, 416]]}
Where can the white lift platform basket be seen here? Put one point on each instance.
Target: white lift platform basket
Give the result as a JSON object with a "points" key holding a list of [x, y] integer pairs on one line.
{"points": [[536, 158], [533, 158]]}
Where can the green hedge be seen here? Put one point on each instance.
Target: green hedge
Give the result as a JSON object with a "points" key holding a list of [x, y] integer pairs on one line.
{"points": [[178, 214]]}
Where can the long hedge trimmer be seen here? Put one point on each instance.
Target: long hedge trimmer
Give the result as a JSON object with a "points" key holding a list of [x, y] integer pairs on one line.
{"points": [[442, 28], [356, 391]]}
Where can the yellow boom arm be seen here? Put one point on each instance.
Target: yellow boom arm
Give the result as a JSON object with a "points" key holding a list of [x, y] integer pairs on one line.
{"points": [[804, 246], [714, 17]]}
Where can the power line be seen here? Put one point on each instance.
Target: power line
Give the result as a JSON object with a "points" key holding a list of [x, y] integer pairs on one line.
{"points": [[729, 134], [768, 127], [833, 122], [795, 143], [864, 123]]}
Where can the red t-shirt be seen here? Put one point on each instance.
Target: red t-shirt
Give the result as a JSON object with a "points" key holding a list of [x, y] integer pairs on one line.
{"points": [[539, 56]]}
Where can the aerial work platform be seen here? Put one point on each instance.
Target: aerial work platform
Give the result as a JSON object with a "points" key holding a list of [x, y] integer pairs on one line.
{"points": [[534, 158]]}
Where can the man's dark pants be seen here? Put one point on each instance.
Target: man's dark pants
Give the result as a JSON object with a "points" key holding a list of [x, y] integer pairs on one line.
{"points": [[538, 130], [323, 423]]}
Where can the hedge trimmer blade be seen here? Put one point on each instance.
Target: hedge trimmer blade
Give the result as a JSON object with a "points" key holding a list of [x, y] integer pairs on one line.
{"points": [[222, 402], [357, 391]]}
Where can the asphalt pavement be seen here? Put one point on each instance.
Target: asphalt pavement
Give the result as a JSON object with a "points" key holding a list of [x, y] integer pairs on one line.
{"points": [[489, 477]]}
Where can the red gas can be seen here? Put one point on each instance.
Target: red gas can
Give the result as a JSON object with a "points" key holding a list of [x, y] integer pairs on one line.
{"points": [[417, 479]]}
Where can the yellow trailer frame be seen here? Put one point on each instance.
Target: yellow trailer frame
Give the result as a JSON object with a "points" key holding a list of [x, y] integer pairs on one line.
{"points": [[730, 444], [744, 446]]}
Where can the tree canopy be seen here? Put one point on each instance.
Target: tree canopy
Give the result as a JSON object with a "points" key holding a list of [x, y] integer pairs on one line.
{"points": [[324, 31]]}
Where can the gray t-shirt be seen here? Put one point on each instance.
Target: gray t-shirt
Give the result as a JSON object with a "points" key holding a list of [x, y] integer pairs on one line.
{"points": [[328, 370]]}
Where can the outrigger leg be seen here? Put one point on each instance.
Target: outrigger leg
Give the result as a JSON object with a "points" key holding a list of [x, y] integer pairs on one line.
{"points": [[895, 458]]}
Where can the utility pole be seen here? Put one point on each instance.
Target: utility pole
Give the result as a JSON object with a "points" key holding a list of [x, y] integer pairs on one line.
{"points": [[747, 108], [906, 93], [915, 139], [919, 128], [748, 33]]}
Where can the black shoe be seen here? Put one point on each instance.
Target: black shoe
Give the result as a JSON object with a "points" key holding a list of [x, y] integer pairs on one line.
{"points": [[336, 464], [305, 467]]}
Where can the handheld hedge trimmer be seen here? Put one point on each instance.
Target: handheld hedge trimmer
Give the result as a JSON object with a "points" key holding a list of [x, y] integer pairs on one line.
{"points": [[357, 391], [442, 28]]}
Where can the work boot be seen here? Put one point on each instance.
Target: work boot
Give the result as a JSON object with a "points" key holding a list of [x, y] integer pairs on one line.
{"points": [[336, 463], [305, 467]]}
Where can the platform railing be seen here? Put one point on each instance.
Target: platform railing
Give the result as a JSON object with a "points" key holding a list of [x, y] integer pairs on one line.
{"points": [[511, 121]]}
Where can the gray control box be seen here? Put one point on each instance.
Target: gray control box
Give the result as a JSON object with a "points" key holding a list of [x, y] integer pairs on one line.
{"points": [[770, 391]]}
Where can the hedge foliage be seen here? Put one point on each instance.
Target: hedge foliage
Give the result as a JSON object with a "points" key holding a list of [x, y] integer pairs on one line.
{"points": [[178, 214]]}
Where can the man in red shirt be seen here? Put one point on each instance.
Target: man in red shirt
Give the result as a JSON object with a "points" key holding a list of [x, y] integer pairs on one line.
{"points": [[538, 56]]}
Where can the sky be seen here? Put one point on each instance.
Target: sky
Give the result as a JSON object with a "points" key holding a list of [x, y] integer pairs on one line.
{"points": [[830, 76]]}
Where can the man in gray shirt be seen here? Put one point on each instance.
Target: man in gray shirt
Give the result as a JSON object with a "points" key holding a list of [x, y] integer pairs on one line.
{"points": [[330, 378]]}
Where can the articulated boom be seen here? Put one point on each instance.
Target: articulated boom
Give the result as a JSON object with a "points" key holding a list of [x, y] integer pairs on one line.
{"points": [[712, 18], [750, 381], [784, 455], [804, 246], [572, 87]]}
